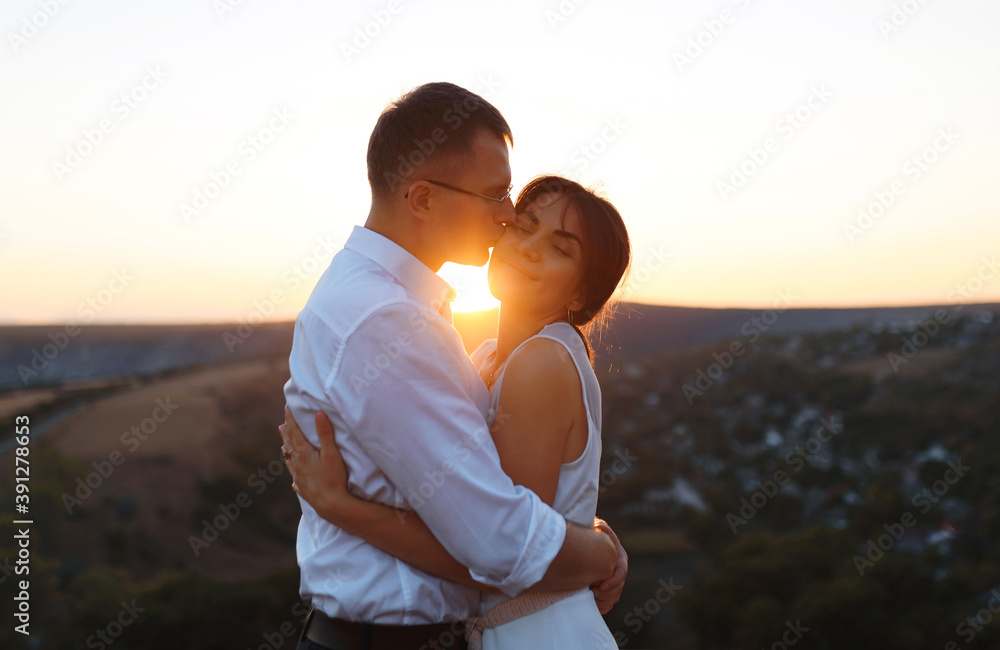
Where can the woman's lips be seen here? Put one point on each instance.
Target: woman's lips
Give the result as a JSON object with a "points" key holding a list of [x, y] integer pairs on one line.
{"points": [[518, 269]]}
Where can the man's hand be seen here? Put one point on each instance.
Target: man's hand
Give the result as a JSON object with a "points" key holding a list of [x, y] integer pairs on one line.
{"points": [[608, 593]]}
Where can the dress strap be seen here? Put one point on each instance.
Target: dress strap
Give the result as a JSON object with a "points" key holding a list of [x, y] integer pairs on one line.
{"points": [[510, 610]]}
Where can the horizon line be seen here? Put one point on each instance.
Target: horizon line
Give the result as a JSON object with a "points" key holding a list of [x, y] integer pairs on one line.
{"points": [[629, 304]]}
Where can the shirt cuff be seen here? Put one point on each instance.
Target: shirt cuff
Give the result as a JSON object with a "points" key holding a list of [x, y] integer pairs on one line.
{"points": [[544, 543]]}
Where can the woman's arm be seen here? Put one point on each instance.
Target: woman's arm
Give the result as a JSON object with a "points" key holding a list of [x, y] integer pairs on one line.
{"points": [[540, 399]]}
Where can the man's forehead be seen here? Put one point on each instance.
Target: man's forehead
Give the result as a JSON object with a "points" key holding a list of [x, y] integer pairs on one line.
{"points": [[488, 161], [491, 147]]}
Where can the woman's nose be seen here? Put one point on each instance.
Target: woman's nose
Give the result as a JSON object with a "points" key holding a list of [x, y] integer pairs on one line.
{"points": [[529, 247]]}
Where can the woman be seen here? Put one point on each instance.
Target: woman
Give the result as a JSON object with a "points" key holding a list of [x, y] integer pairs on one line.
{"points": [[553, 270]]}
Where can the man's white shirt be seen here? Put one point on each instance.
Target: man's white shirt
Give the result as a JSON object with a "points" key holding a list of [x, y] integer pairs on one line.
{"points": [[375, 349]]}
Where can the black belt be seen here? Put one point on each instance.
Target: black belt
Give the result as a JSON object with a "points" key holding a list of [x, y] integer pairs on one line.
{"points": [[338, 634]]}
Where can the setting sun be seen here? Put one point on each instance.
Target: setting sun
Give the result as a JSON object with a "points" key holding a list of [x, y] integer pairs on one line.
{"points": [[472, 287]]}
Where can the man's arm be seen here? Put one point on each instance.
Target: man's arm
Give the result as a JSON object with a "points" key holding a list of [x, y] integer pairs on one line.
{"points": [[587, 556], [401, 389], [408, 538], [320, 477]]}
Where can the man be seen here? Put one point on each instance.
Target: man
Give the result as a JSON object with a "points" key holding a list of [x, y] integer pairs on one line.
{"points": [[375, 349]]}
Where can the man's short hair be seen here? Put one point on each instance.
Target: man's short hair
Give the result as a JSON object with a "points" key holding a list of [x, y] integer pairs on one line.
{"points": [[434, 124]]}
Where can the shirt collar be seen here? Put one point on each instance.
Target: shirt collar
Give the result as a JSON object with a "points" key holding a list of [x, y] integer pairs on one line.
{"points": [[407, 269]]}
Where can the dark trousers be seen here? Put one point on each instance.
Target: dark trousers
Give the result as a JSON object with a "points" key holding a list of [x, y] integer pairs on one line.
{"points": [[371, 636]]}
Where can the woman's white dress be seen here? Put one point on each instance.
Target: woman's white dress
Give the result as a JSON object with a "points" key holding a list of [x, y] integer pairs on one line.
{"points": [[573, 623]]}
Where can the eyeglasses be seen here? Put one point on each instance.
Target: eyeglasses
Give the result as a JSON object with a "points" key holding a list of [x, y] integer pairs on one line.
{"points": [[485, 196]]}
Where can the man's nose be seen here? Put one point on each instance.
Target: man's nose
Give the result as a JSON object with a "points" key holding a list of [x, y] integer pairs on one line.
{"points": [[506, 212], [498, 231]]}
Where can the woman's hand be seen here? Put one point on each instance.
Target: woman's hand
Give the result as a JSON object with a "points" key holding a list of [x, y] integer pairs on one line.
{"points": [[318, 475], [609, 591]]}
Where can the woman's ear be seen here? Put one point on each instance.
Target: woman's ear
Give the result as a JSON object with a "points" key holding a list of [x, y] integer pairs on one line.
{"points": [[579, 301]]}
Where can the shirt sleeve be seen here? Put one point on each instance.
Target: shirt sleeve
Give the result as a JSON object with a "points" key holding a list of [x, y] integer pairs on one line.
{"points": [[400, 384]]}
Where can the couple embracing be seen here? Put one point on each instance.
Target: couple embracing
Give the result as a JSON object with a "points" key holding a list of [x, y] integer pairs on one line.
{"points": [[447, 500]]}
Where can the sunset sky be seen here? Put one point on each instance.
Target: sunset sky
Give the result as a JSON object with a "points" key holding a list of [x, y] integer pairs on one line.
{"points": [[843, 150]]}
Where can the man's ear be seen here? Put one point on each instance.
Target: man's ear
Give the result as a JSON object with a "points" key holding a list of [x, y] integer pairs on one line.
{"points": [[418, 199]]}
